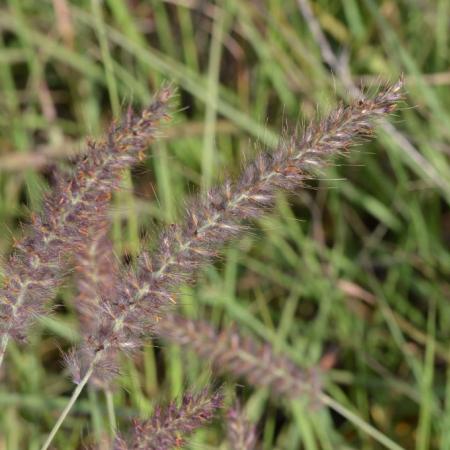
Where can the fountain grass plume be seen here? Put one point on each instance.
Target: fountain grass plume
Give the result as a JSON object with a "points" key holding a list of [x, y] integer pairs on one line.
{"points": [[229, 352], [241, 434], [168, 426], [223, 213], [38, 262]]}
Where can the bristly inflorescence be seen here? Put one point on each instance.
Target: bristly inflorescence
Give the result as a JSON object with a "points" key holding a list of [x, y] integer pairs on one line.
{"points": [[214, 219], [241, 434], [139, 296], [217, 217], [168, 427], [35, 269], [244, 357], [96, 275]]}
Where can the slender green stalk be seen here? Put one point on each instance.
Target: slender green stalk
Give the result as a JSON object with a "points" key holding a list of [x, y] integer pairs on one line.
{"points": [[76, 393], [3, 345], [125, 196], [360, 423], [111, 412], [106, 57], [215, 56]]}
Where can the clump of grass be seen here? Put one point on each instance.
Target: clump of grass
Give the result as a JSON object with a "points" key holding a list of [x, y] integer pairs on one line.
{"points": [[122, 306]]}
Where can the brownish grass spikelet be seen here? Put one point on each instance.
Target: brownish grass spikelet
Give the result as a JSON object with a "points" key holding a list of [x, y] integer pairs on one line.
{"points": [[241, 434], [34, 270], [243, 357], [168, 426], [96, 275]]}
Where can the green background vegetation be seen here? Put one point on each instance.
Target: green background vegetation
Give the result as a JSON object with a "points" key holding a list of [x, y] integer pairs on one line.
{"points": [[353, 273]]}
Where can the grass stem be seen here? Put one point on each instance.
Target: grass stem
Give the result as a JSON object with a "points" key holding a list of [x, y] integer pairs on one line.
{"points": [[76, 393], [3, 345], [360, 423], [111, 413]]}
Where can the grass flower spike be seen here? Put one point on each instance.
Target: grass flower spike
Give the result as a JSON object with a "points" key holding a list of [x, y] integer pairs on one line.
{"points": [[34, 270], [213, 220], [241, 434], [167, 427], [229, 352]]}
